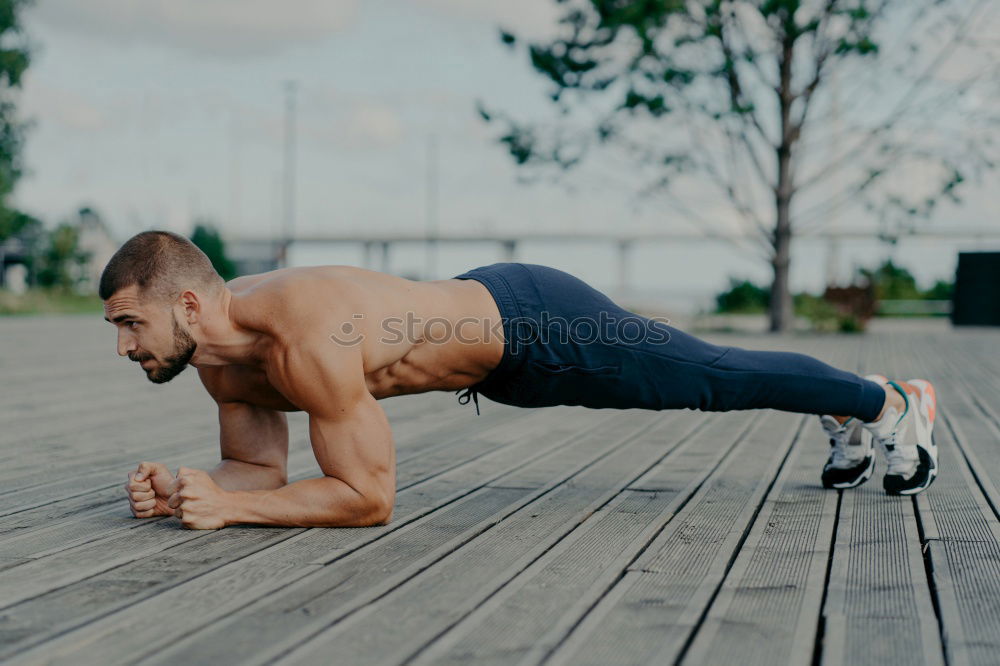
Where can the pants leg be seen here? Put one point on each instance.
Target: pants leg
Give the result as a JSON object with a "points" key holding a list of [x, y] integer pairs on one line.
{"points": [[574, 356], [689, 373], [748, 379]]}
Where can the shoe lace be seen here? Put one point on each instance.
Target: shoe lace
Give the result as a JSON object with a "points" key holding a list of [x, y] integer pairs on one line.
{"points": [[896, 456], [839, 439]]}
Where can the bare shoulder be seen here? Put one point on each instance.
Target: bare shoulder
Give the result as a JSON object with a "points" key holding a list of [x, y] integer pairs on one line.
{"points": [[300, 310], [315, 373], [292, 302]]}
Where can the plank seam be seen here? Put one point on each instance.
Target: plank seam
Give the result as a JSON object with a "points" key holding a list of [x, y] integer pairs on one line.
{"points": [[613, 498], [395, 526], [680, 507], [972, 467], [931, 582], [280, 655], [739, 546], [817, 656]]}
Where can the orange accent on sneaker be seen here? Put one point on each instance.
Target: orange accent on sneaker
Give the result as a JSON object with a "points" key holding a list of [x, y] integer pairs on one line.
{"points": [[927, 389]]}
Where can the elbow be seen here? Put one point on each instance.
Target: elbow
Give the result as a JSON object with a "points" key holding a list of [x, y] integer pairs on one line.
{"points": [[379, 519], [379, 513], [365, 508], [377, 509]]}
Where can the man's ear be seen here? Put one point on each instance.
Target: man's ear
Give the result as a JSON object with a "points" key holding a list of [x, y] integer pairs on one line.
{"points": [[191, 304]]}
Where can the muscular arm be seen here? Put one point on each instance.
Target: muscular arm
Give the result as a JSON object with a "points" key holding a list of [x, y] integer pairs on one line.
{"points": [[350, 436], [357, 489], [253, 442]]}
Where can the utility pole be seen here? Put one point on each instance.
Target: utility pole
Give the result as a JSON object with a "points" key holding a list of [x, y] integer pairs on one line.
{"points": [[288, 212], [235, 154], [833, 245], [431, 207]]}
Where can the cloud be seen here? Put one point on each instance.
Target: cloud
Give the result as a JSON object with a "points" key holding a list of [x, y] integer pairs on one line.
{"points": [[363, 124], [377, 123], [227, 28], [62, 106]]}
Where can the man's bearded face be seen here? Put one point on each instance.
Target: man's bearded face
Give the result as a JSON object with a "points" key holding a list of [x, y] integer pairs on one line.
{"points": [[173, 363]]}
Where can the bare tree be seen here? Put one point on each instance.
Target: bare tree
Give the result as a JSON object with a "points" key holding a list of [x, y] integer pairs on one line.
{"points": [[791, 110]]}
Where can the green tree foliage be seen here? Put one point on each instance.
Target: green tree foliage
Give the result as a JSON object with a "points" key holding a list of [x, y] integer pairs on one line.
{"points": [[892, 282], [941, 290], [736, 96], [16, 223], [743, 297], [208, 241], [61, 260], [14, 59]]}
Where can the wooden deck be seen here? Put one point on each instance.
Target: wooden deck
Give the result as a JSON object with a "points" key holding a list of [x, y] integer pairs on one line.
{"points": [[559, 535]]}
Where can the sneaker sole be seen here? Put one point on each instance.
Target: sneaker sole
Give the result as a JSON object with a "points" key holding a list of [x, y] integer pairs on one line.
{"points": [[861, 479], [931, 475]]}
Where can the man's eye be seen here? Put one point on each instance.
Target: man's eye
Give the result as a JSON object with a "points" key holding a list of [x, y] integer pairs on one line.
{"points": [[133, 324]]}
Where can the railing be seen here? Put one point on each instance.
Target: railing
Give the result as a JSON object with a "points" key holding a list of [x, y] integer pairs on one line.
{"points": [[913, 307]]}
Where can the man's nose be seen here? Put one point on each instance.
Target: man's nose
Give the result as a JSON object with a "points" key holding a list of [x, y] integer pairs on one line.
{"points": [[126, 344]]}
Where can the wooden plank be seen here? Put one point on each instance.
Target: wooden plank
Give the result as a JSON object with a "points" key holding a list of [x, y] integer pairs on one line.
{"points": [[958, 560], [171, 434], [411, 443], [107, 552], [650, 613], [768, 608], [189, 607], [960, 529], [614, 524], [427, 440], [653, 600], [962, 545], [28, 537], [40, 532], [976, 425], [879, 607], [324, 545], [528, 616], [454, 585], [33, 622]]}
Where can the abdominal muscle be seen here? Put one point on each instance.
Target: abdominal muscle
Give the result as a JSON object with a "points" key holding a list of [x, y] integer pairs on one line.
{"points": [[431, 357]]}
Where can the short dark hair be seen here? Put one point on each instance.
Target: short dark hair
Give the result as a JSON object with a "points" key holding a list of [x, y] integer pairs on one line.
{"points": [[160, 263]]}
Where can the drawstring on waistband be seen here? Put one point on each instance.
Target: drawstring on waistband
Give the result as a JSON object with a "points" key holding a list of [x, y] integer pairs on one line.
{"points": [[469, 393]]}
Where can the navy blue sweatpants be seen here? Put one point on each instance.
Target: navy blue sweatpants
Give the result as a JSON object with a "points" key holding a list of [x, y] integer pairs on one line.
{"points": [[568, 344]]}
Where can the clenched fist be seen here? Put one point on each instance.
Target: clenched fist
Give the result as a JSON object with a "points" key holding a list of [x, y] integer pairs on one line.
{"points": [[148, 490], [197, 500]]}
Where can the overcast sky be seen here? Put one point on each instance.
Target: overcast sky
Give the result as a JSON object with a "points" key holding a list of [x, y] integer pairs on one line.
{"points": [[160, 111]]}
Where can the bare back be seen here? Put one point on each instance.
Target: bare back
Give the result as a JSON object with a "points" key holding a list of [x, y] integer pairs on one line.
{"points": [[413, 336]]}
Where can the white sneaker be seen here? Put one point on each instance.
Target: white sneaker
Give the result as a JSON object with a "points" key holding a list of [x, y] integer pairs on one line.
{"points": [[907, 439], [852, 458]]}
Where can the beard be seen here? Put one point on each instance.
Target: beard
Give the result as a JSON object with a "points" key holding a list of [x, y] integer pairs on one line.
{"points": [[174, 364]]}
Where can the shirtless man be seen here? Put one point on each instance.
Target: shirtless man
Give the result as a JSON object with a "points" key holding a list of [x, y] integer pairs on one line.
{"points": [[332, 340]]}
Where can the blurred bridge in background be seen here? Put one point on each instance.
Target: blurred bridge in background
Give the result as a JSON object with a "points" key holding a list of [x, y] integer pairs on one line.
{"points": [[259, 254]]}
